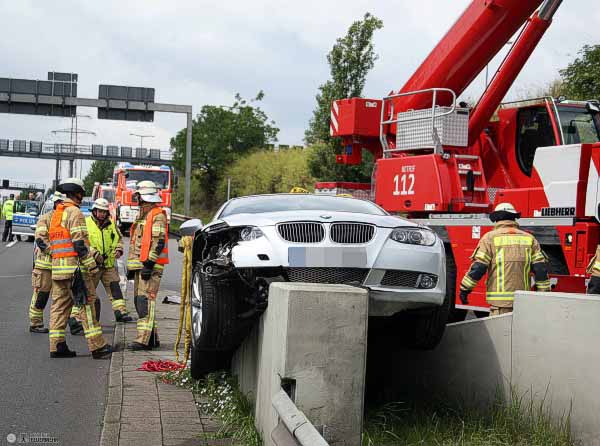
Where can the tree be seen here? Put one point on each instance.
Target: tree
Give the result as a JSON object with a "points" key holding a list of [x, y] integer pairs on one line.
{"points": [[101, 172], [220, 135], [581, 78], [350, 60], [267, 171]]}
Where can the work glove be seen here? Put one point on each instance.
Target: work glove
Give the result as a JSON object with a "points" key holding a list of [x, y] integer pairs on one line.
{"points": [[99, 258], [147, 269], [464, 297]]}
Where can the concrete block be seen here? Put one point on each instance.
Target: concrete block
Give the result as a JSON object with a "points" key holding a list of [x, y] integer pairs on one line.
{"points": [[556, 356], [315, 335], [470, 366]]}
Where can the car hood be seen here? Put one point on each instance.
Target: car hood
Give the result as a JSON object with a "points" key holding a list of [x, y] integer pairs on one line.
{"points": [[274, 218]]}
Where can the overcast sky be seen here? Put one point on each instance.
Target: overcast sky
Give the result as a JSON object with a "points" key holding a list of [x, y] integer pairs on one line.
{"points": [[198, 52]]}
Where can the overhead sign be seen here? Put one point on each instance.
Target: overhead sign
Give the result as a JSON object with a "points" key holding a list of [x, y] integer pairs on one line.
{"points": [[21, 96], [126, 103]]}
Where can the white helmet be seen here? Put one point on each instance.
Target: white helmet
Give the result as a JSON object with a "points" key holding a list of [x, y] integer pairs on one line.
{"points": [[506, 207], [57, 196], [101, 204], [148, 192], [73, 185]]}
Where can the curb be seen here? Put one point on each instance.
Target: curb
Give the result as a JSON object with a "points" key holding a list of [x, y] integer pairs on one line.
{"points": [[111, 425]]}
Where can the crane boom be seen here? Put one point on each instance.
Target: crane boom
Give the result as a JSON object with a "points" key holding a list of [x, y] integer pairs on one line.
{"points": [[474, 39]]}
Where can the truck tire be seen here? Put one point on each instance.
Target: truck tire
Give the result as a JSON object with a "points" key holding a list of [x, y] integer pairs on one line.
{"points": [[221, 330], [455, 314]]}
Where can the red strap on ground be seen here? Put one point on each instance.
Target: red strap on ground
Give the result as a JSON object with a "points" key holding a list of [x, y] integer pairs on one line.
{"points": [[160, 366]]}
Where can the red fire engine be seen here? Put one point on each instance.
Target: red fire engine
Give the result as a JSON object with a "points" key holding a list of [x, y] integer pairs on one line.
{"points": [[125, 179], [447, 164]]}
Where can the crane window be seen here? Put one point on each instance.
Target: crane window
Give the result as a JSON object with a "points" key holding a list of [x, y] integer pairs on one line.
{"points": [[578, 125], [534, 129]]}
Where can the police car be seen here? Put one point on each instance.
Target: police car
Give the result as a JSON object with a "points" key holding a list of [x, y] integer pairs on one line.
{"points": [[24, 218]]}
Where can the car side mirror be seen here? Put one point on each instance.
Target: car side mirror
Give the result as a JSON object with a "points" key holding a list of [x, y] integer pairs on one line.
{"points": [[190, 227]]}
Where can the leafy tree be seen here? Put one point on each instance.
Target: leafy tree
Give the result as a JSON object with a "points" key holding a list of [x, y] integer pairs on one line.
{"points": [[220, 135], [266, 171], [100, 171], [350, 60], [581, 78]]}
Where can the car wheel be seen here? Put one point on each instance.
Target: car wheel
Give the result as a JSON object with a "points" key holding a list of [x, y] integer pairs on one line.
{"points": [[216, 328], [425, 327]]}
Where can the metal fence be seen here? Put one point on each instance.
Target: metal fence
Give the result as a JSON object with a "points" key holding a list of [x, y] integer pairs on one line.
{"points": [[17, 147]]}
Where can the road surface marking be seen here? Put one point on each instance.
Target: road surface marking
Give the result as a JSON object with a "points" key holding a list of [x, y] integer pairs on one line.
{"points": [[11, 244], [18, 275]]}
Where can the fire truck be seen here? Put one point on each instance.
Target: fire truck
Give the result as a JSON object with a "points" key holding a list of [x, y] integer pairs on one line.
{"points": [[126, 176], [447, 164]]}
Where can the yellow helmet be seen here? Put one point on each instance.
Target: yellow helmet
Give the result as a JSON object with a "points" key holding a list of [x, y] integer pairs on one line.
{"points": [[298, 190]]}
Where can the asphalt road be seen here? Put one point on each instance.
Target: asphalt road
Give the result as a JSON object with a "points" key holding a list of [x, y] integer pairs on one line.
{"points": [[62, 398]]}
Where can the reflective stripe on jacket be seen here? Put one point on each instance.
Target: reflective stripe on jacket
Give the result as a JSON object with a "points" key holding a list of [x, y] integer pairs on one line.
{"points": [[106, 241], [508, 254], [43, 259], [73, 230], [146, 233], [8, 209]]}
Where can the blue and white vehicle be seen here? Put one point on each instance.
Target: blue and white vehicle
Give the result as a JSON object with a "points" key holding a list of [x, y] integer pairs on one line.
{"points": [[25, 216]]}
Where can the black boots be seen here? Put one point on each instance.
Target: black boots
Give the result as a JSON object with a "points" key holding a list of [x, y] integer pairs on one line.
{"points": [[120, 317], [38, 329], [137, 346], [62, 351], [75, 327], [103, 352]]}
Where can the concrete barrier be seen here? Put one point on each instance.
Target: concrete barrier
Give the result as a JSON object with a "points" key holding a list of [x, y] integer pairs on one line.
{"points": [[313, 339], [549, 348], [556, 356]]}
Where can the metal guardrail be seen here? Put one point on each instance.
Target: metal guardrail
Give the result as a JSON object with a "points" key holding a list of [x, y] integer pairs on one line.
{"points": [[180, 217], [294, 428]]}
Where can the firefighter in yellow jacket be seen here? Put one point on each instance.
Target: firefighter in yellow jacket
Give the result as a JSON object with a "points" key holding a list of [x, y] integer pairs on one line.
{"points": [[148, 254], [508, 255], [107, 247], [41, 276], [594, 269], [69, 245]]}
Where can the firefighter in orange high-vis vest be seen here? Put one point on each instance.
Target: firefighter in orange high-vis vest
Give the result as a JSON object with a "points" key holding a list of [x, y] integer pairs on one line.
{"points": [[70, 250], [148, 255], [509, 256], [41, 276]]}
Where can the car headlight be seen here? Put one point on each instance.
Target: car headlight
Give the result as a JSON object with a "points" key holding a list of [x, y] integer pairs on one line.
{"points": [[250, 233], [413, 236]]}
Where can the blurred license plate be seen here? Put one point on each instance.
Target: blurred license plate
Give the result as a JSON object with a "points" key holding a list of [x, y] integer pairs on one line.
{"points": [[299, 256]]}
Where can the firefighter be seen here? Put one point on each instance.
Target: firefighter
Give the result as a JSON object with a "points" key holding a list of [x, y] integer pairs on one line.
{"points": [[106, 245], [148, 254], [41, 276], [7, 214], [70, 250], [594, 269], [508, 255]]}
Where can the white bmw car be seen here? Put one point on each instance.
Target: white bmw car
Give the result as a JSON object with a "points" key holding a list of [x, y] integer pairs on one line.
{"points": [[256, 240]]}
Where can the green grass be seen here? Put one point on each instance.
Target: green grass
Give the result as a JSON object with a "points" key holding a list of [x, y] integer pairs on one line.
{"points": [[220, 398], [520, 422]]}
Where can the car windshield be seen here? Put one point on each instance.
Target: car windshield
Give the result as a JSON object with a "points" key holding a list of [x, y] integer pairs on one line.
{"points": [[578, 126], [159, 177], [27, 207], [298, 202], [87, 203]]}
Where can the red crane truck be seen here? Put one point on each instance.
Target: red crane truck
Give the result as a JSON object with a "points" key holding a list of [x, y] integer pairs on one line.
{"points": [[448, 165]]}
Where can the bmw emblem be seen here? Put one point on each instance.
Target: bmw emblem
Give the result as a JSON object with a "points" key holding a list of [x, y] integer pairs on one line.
{"points": [[326, 217]]}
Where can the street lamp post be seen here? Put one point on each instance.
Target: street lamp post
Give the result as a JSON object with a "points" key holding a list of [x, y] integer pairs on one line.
{"points": [[141, 138]]}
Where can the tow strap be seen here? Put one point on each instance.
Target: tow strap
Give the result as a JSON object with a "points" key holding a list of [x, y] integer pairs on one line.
{"points": [[160, 366]]}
